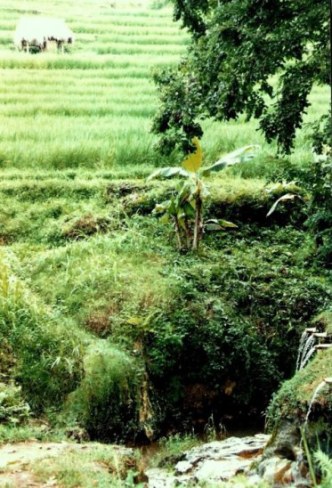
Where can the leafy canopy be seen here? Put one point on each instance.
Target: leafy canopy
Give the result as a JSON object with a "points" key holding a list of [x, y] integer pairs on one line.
{"points": [[237, 47]]}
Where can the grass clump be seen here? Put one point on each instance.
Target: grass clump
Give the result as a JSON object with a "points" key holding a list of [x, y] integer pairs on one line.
{"points": [[90, 466], [106, 402], [30, 430], [46, 354]]}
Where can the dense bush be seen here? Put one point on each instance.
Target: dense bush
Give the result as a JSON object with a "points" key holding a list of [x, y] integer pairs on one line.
{"points": [[316, 178], [213, 363]]}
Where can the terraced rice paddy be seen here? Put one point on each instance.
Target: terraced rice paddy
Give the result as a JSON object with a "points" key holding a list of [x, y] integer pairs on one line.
{"points": [[92, 106]]}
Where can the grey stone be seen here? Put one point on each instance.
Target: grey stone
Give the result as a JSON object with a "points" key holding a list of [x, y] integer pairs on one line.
{"points": [[212, 463], [159, 478], [221, 470], [183, 467], [273, 469]]}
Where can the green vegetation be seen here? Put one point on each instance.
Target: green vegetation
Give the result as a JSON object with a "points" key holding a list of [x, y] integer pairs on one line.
{"points": [[106, 401], [325, 466], [180, 320], [93, 110], [90, 107], [102, 466], [186, 209], [41, 352], [13, 409], [320, 220], [106, 330], [292, 400]]}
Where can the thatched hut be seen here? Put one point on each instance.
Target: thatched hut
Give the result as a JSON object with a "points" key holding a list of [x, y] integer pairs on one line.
{"points": [[35, 33]]}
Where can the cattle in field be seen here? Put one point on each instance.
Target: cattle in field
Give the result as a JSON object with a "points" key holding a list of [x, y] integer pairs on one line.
{"points": [[35, 34]]}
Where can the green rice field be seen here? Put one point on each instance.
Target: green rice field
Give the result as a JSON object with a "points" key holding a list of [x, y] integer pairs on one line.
{"points": [[92, 107]]}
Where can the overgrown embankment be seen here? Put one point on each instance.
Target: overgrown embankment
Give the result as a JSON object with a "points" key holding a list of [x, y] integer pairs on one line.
{"points": [[305, 401], [144, 339]]}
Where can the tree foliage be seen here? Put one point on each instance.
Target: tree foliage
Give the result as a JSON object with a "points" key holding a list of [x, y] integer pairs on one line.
{"points": [[320, 219], [237, 47]]}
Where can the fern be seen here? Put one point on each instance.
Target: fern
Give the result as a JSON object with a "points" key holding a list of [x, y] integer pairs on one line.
{"points": [[325, 466]]}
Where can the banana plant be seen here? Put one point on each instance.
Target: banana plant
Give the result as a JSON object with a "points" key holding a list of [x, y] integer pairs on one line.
{"points": [[185, 208]]}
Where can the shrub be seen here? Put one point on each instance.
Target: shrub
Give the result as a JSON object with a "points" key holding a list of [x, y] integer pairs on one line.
{"points": [[13, 408]]}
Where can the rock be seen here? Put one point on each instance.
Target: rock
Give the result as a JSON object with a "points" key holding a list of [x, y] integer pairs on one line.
{"points": [[287, 477], [183, 467], [243, 447], [219, 461], [221, 470], [212, 462], [300, 473], [273, 469], [159, 478], [284, 443]]}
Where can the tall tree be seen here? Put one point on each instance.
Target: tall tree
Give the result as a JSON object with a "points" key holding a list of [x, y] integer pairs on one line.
{"points": [[237, 46]]}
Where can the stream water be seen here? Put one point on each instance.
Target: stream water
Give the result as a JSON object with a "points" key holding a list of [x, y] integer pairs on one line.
{"points": [[311, 340], [326, 383], [306, 348]]}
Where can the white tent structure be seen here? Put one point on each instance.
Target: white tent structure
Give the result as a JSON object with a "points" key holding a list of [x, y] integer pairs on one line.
{"points": [[36, 32]]}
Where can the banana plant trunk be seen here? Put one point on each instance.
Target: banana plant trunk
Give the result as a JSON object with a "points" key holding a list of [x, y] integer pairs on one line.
{"points": [[178, 232], [198, 222]]}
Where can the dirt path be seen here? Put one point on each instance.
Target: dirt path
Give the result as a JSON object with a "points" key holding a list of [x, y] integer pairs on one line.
{"points": [[16, 458], [34, 464], [22, 479], [26, 452]]}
